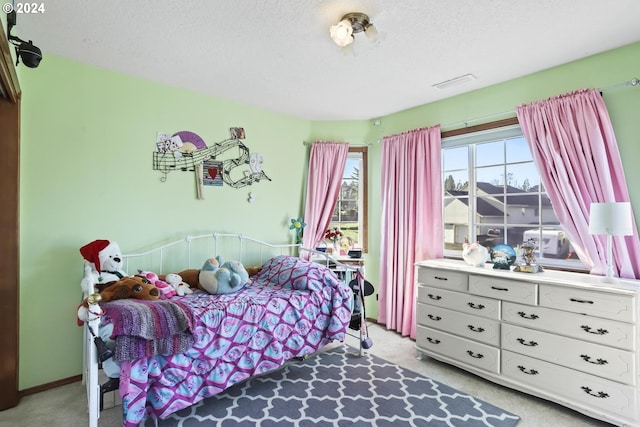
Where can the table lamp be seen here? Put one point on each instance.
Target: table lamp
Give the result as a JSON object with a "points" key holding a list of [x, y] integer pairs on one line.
{"points": [[610, 219]]}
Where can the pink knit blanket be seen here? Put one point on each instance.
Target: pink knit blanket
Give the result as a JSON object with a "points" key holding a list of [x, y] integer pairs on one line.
{"points": [[148, 328]]}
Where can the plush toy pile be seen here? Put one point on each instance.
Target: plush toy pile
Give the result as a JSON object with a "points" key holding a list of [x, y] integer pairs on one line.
{"points": [[166, 290]]}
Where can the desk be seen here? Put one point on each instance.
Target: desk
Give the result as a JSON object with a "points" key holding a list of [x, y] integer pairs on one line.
{"points": [[350, 261], [340, 271]]}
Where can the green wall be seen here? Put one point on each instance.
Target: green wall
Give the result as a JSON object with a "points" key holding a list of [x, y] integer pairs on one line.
{"points": [[86, 173]]}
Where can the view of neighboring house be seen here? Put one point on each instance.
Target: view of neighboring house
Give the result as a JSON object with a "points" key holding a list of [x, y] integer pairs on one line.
{"points": [[498, 208]]}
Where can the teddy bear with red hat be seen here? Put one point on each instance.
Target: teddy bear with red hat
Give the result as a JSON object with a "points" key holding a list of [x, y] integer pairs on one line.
{"points": [[103, 264]]}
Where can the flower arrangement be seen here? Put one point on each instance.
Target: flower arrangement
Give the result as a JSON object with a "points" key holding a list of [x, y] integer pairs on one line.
{"points": [[297, 224], [334, 234]]}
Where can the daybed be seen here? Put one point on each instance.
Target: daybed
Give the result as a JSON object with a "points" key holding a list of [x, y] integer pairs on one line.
{"points": [[291, 308]]}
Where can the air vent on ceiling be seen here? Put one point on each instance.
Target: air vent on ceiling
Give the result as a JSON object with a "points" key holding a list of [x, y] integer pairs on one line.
{"points": [[455, 81]]}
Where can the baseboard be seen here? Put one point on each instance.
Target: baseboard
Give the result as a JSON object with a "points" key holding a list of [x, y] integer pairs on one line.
{"points": [[49, 386]]}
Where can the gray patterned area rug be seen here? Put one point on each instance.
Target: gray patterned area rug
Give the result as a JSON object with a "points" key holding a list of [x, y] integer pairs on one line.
{"points": [[337, 388]]}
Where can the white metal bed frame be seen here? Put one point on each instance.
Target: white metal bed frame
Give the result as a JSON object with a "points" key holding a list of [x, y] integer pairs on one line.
{"points": [[265, 251]]}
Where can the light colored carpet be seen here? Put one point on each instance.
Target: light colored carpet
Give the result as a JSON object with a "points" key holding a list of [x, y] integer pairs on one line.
{"points": [[66, 406]]}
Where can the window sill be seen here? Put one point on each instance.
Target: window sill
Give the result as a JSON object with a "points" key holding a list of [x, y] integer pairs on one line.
{"points": [[574, 266]]}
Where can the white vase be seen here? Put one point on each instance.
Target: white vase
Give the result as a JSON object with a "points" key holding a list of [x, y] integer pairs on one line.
{"points": [[336, 248]]}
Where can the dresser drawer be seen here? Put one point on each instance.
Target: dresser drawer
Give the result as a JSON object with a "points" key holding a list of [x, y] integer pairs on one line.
{"points": [[466, 303], [466, 325], [466, 351], [506, 290], [448, 279], [592, 391], [614, 364], [595, 303], [586, 328]]}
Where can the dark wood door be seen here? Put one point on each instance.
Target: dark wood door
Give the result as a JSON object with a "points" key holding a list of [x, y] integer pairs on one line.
{"points": [[9, 231]]}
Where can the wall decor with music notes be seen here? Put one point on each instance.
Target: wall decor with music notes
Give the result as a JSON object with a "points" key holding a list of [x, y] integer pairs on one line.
{"points": [[214, 165]]}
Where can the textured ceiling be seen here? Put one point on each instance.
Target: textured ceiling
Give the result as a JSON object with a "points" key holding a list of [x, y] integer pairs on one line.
{"points": [[277, 54]]}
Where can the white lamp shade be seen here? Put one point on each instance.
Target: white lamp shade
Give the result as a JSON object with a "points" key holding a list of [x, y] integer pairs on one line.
{"points": [[613, 219], [342, 33]]}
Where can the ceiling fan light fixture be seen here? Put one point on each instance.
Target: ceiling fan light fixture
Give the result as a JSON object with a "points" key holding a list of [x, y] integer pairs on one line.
{"points": [[372, 33], [355, 22], [342, 33]]}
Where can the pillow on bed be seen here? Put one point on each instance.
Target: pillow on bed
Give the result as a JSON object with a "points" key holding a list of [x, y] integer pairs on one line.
{"points": [[296, 273]]}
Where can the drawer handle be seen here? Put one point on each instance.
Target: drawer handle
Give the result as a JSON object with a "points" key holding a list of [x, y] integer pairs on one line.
{"points": [[477, 307], [597, 362], [597, 331], [527, 371], [440, 278], [600, 394], [475, 355], [529, 344], [435, 297], [432, 317], [581, 301], [432, 341], [495, 288], [474, 329], [528, 316]]}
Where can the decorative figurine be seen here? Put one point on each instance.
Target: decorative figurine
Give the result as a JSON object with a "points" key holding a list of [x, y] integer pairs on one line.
{"points": [[474, 253], [529, 263]]}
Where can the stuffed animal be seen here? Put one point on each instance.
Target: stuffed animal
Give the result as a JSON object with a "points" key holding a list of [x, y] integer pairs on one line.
{"points": [[166, 290], [180, 287], [237, 268], [136, 287], [474, 253], [253, 270], [215, 279], [104, 260]]}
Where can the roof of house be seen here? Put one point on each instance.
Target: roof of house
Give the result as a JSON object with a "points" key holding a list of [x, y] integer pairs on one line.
{"points": [[515, 196], [484, 208]]}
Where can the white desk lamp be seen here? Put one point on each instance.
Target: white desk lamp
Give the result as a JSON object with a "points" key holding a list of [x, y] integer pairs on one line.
{"points": [[611, 219]]}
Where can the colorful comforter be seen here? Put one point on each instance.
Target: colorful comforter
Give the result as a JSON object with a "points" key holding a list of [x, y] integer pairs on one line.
{"points": [[292, 308]]}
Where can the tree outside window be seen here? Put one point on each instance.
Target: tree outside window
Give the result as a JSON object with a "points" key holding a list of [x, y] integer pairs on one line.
{"points": [[350, 214]]}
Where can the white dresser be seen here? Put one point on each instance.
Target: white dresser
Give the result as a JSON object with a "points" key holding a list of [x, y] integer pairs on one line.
{"points": [[567, 337]]}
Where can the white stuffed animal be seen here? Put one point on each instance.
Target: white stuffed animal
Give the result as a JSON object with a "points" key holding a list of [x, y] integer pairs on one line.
{"points": [[104, 260], [181, 287], [474, 253]]}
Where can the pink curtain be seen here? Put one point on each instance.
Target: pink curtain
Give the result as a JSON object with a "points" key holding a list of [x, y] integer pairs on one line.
{"points": [[575, 150], [326, 167], [411, 221]]}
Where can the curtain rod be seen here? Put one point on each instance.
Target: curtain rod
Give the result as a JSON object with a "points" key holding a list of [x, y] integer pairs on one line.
{"points": [[633, 82], [308, 144]]}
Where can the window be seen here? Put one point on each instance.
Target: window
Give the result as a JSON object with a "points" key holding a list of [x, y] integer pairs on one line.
{"points": [[493, 195], [350, 212]]}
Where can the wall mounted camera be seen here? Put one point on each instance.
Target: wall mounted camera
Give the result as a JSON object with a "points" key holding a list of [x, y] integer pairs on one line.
{"points": [[30, 54]]}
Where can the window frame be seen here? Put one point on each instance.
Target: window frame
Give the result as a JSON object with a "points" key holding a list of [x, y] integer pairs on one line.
{"points": [[482, 130], [363, 198]]}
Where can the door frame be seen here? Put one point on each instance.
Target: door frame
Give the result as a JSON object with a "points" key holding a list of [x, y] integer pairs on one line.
{"points": [[9, 225]]}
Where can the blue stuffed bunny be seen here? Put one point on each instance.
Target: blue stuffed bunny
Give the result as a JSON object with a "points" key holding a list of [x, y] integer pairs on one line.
{"points": [[216, 277]]}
